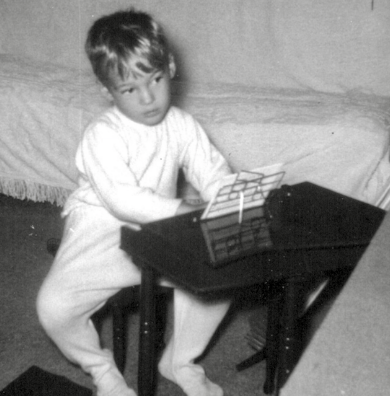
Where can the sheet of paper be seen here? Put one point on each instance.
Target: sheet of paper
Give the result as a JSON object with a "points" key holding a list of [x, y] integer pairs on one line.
{"points": [[244, 190]]}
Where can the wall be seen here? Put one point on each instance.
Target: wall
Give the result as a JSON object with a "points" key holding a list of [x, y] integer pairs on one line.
{"points": [[328, 45]]}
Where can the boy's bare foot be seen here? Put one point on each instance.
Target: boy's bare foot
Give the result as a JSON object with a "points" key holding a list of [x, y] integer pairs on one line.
{"points": [[192, 379]]}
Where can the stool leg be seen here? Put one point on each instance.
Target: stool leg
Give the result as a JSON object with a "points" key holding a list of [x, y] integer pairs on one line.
{"points": [[252, 360], [119, 335], [272, 342], [147, 346], [290, 342]]}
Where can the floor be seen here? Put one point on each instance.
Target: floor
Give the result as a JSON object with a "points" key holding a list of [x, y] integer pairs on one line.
{"points": [[24, 262]]}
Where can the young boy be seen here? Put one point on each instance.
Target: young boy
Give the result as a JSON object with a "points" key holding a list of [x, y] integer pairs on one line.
{"points": [[128, 164]]}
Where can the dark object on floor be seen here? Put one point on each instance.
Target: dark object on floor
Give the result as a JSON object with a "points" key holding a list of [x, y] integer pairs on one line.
{"points": [[52, 245], [38, 382]]}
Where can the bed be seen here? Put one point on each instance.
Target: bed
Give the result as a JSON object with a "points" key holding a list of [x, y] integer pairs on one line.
{"points": [[336, 140], [302, 83]]}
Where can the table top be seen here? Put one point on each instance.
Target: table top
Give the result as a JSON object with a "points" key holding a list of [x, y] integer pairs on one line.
{"points": [[302, 229]]}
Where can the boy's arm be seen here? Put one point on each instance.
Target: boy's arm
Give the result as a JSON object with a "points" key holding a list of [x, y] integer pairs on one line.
{"points": [[104, 159], [203, 164], [185, 207]]}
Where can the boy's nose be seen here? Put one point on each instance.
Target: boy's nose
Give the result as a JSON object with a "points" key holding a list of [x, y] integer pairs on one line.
{"points": [[147, 96]]}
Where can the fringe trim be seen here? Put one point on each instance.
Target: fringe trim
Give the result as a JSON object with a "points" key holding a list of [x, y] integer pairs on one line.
{"points": [[33, 191]]}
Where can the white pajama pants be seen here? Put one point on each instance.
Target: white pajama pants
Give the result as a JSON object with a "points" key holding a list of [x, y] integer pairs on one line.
{"points": [[88, 269]]}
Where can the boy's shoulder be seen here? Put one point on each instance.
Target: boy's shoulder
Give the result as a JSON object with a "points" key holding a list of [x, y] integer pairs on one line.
{"points": [[113, 121], [109, 116], [112, 116], [110, 120], [178, 113]]}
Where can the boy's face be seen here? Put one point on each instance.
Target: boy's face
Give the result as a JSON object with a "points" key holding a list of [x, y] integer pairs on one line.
{"points": [[143, 97]]}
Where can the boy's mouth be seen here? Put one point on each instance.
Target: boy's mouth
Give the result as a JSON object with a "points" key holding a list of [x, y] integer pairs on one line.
{"points": [[152, 113]]}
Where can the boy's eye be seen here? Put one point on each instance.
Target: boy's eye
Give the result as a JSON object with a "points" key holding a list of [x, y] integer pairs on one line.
{"points": [[158, 78], [127, 91]]}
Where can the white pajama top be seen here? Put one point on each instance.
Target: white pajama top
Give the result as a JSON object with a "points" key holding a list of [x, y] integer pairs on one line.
{"points": [[131, 169]]}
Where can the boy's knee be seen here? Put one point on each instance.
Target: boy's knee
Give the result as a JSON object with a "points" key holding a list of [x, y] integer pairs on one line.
{"points": [[50, 309]]}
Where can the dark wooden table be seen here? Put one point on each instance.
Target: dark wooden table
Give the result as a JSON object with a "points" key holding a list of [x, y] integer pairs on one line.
{"points": [[303, 230]]}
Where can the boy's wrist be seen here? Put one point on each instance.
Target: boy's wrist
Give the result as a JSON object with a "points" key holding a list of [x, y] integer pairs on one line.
{"points": [[186, 207]]}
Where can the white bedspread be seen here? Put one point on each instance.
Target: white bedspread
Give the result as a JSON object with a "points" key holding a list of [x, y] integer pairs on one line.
{"points": [[338, 141]]}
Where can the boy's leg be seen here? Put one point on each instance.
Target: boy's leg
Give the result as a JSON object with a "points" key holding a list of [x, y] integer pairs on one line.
{"points": [[195, 322], [88, 269]]}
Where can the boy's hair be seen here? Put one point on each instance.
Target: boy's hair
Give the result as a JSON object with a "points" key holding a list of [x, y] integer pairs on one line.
{"points": [[114, 39]]}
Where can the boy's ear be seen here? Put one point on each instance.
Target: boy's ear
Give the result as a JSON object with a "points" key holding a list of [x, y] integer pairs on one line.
{"points": [[172, 66], [106, 93]]}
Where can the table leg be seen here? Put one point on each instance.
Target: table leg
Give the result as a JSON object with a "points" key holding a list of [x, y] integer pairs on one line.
{"points": [[270, 350], [272, 342], [146, 354], [290, 341]]}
